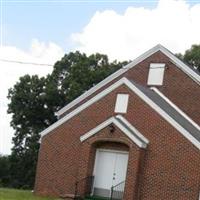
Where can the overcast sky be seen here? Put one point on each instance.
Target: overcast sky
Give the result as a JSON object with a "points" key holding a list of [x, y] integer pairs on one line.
{"points": [[42, 31]]}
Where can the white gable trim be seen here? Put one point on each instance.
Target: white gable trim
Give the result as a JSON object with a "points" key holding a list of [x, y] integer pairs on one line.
{"points": [[176, 108], [167, 117], [132, 128], [158, 47], [83, 106], [91, 91], [129, 133], [129, 84]]}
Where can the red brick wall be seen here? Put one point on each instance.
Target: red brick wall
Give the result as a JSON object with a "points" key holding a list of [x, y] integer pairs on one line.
{"points": [[177, 86], [115, 141], [168, 169]]}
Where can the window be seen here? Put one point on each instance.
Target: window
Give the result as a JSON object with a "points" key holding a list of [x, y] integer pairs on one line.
{"points": [[121, 103], [156, 74]]}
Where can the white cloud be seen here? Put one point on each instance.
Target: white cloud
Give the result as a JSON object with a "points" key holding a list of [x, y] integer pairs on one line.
{"points": [[172, 23], [46, 53], [10, 72]]}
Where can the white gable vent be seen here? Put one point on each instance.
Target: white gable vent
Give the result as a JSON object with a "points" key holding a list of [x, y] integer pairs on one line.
{"points": [[121, 103], [156, 74]]}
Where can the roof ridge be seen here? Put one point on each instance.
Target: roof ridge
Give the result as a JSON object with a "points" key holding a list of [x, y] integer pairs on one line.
{"points": [[186, 69], [194, 139]]}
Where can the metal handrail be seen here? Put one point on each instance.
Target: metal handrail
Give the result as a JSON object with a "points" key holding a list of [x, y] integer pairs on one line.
{"points": [[117, 191], [118, 184]]}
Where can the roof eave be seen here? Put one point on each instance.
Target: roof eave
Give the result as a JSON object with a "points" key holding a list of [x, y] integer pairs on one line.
{"points": [[145, 55]]}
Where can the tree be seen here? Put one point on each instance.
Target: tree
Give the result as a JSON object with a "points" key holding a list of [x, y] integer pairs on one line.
{"points": [[34, 101], [76, 73], [29, 110], [192, 56], [4, 171]]}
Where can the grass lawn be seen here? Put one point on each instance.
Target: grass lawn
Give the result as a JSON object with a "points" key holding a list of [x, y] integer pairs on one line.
{"points": [[12, 194]]}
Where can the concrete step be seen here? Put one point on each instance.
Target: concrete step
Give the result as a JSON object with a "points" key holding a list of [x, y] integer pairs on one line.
{"points": [[95, 198]]}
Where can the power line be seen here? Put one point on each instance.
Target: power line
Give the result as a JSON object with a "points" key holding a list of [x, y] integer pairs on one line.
{"points": [[25, 63]]}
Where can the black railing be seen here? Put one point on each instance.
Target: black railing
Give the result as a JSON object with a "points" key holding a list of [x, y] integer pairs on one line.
{"points": [[83, 187], [117, 191]]}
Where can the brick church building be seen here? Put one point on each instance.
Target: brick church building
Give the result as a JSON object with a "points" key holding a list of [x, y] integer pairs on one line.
{"points": [[133, 136]]}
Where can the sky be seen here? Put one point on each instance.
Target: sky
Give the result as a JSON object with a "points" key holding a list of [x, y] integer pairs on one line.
{"points": [[42, 31]]}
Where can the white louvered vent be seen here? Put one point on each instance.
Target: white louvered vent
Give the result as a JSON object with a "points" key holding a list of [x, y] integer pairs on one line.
{"points": [[156, 74], [121, 103]]}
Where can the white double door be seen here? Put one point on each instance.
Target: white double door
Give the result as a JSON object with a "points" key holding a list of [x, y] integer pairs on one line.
{"points": [[110, 169]]}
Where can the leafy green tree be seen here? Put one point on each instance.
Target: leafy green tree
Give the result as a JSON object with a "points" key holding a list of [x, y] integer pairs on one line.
{"points": [[29, 110], [4, 171], [76, 73], [192, 56], [34, 101]]}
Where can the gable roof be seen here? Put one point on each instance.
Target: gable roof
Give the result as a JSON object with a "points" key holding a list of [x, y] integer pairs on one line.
{"points": [[146, 96], [180, 64], [124, 126], [175, 107], [171, 111]]}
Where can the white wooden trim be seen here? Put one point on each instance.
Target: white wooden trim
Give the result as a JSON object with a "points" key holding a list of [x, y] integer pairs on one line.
{"points": [[97, 157], [132, 128], [97, 128], [112, 150], [105, 150], [120, 126], [176, 107], [130, 135], [192, 74], [90, 91], [158, 47], [167, 117], [108, 79], [94, 169], [125, 81], [83, 106]]}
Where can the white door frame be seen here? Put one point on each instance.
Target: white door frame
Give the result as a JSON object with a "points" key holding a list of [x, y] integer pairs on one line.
{"points": [[96, 158]]}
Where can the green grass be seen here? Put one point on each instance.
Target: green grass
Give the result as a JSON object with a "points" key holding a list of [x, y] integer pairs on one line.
{"points": [[12, 194], [95, 198]]}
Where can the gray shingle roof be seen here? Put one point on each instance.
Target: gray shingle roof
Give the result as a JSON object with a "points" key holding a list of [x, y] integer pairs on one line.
{"points": [[170, 111], [128, 128]]}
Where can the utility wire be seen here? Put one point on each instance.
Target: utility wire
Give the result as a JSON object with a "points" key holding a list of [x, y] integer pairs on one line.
{"points": [[43, 64], [22, 62]]}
